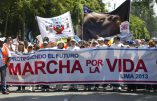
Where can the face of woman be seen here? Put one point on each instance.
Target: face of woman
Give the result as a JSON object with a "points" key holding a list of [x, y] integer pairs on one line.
{"points": [[100, 24], [61, 45], [10, 41], [21, 48]]}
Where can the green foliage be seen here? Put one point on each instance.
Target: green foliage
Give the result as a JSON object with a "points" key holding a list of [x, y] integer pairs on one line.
{"points": [[144, 10], [18, 16], [139, 28]]}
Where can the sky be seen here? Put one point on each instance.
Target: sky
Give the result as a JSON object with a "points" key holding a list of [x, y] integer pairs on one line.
{"points": [[155, 9], [110, 3], [117, 3]]}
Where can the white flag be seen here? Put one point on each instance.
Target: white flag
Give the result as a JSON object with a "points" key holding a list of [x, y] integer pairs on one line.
{"points": [[56, 27]]}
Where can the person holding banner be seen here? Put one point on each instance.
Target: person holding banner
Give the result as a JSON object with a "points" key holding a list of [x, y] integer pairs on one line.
{"points": [[94, 44], [117, 43], [60, 45], [3, 65], [45, 45], [73, 46], [20, 51], [101, 42]]}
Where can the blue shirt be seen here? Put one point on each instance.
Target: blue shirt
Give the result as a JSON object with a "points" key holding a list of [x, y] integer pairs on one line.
{"points": [[1, 58]]}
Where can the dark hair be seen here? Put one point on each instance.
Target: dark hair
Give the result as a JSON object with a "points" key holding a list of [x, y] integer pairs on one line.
{"points": [[46, 39], [21, 44], [82, 46], [36, 47], [117, 38], [26, 43], [68, 39], [9, 38]]}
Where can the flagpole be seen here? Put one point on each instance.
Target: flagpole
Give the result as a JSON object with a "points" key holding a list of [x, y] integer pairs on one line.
{"points": [[82, 21], [129, 17], [130, 11]]}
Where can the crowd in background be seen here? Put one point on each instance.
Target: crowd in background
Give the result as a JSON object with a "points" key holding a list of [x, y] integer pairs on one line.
{"points": [[24, 47]]}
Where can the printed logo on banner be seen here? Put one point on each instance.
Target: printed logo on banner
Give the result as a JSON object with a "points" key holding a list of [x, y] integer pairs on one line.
{"points": [[56, 27]]}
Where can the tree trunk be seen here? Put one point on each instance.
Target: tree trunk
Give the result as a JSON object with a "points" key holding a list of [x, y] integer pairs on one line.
{"points": [[6, 25]]}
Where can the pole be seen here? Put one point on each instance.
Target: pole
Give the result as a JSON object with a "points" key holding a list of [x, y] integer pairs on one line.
{"points": [[82, 21], [130, 11], [6, 24], [83, 17]]}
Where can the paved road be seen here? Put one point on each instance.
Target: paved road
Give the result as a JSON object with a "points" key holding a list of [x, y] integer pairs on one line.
{"points": [[79, 96]]}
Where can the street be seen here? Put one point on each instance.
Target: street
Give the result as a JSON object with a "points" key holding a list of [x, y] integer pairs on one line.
{"points": [[79, 96]]}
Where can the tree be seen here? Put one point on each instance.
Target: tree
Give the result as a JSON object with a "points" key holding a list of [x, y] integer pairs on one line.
{"points": [[144, 10], [139, 28], [18, 16]]}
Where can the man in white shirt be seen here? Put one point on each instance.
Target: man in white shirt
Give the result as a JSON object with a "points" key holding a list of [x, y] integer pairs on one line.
{"points": [[117, 43], [73, 45], [101, 42]]}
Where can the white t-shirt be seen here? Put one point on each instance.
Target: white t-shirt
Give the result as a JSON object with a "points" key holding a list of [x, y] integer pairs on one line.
{"points": [[74, 48], [117, 45], [102, 46], [143, 46]]}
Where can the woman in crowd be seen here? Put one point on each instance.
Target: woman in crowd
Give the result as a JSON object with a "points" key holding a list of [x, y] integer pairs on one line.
{"points": [[20, 51]]}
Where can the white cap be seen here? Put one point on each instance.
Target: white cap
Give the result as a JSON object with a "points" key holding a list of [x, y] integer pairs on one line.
{"points": [[30, 45], [73, 40], [100, 39], [154, 38], [2, 39], [45, 42]]}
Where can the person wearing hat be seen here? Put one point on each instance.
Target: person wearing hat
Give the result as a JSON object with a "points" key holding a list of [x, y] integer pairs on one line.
{"points": [[73, 45], [94, 44], [45, 45], [3, 65], [60, 45], [45, 42], [101, 42], [30, 48], [106, 41]]}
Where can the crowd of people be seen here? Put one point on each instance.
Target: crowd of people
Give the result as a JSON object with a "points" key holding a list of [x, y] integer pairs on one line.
{"points": [[25, 47]]}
